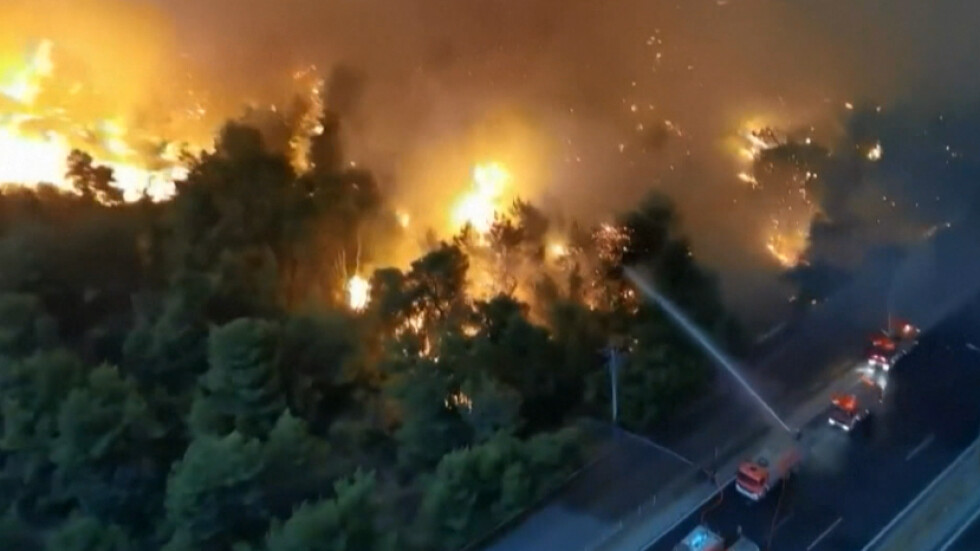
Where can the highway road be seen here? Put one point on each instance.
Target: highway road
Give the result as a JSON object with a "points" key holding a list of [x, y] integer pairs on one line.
{"points": [[852, 485], [931, 410], [968, 540]]}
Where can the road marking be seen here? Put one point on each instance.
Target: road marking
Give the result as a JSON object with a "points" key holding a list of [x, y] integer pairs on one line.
{"points": [[915, 501], [922, 445], [824, 534], [956, 535], [972, 347]]}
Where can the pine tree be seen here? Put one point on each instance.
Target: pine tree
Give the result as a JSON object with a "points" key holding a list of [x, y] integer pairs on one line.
{"points": [[214, 497], [344, 523], [241, 388]]}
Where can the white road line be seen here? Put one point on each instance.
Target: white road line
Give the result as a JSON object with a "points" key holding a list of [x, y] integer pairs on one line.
{"points": [[956, 535], [824, 534], [972, 347], [922, 495], [922, 445]]}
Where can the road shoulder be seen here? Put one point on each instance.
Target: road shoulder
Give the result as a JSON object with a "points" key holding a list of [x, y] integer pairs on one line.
{"points": [[932, 518]]}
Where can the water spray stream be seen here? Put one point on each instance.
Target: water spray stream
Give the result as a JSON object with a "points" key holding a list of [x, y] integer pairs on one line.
{"points": [[701, 339]]}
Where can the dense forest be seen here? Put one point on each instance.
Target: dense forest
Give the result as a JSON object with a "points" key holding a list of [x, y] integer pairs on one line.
{"points": [[187, 374]]}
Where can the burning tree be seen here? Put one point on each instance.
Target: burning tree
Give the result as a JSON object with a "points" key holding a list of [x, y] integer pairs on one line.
{"points": [[245, 351]]}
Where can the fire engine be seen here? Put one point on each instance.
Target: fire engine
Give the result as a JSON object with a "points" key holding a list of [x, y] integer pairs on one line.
{"points": [[757, 476], [847, 412], [892, 344]]}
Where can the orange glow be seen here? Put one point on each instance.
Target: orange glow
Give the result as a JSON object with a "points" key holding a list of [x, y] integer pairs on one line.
{"points": [[479, 206], [787, 248], [37, 134]]}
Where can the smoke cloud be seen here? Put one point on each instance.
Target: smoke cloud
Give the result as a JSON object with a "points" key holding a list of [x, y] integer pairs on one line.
{"points": [[593, 104]]}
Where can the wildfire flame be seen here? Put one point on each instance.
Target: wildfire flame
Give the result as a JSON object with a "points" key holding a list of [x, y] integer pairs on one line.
{"points": [[787, 248], [479, 206], [755, 140], [37, 134], [358, 293]]}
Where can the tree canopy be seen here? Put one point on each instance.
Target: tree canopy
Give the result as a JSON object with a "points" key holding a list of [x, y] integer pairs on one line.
{"points": [[187, 375]]}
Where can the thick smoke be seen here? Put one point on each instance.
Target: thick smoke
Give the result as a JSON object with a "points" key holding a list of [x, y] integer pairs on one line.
{"points": [[592, 104], [913, 214]]}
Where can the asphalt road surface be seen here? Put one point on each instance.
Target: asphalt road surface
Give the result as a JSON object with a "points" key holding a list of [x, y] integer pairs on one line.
{"points": [[851, 485]]}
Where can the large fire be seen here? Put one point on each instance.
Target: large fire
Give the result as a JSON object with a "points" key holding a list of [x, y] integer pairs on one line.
{"points": [[786, 236], [787, 247], [480, 205], [38, 132]]}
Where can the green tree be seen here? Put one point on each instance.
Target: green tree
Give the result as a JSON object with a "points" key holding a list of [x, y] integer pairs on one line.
{"points": [[107, 452], [659, 374], [344, 523], [322, 356], [475, 488], [432, 292], [297, 465], [437, 282], [81, 533], [80, 260], [655, 243], [24, 326], [169, 348], [214, 496], [657, 381], [241, 388], [524, 357], [16, 534], [31, 393], [429, 424], [488, 406]]}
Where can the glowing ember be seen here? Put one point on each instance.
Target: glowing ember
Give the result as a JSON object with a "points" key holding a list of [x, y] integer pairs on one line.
{"points": [[358, 293], [478, 207], [459, 400], [611, 242], [748, 179], [874, 154]]}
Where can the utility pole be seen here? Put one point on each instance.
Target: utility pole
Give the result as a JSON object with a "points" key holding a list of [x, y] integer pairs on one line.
{"points": [[613, 380], [612, 353]]}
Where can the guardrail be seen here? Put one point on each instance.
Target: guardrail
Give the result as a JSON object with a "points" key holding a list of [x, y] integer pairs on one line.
{"points": [[690, 479]]}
